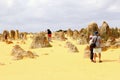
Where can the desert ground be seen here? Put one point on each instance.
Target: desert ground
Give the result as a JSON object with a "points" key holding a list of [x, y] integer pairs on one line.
{"points": [[57, 63]]}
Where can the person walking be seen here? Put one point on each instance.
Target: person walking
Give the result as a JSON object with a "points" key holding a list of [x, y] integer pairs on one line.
{"points": [[97, 50], [49, 34]]}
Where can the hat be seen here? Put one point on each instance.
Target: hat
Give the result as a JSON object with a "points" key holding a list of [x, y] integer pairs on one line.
{"points": [[96, 32]]}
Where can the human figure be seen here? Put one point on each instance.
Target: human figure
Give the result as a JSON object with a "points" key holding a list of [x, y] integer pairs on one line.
{"points": [[49, 34], [97, 49], [91, 49]]}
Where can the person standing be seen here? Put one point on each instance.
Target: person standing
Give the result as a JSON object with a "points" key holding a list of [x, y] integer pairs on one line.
{"points": [[91, 49], [97, 50], [49, 34]]}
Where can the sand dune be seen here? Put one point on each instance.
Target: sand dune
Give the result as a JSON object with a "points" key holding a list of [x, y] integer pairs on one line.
{"points": [[57, 63]]}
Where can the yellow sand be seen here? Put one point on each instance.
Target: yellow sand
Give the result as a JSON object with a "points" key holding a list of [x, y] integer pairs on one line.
{"points": [[57, 63]]}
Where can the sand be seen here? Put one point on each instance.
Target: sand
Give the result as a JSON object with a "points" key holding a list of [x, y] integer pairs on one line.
{"points": [[57, 63]]}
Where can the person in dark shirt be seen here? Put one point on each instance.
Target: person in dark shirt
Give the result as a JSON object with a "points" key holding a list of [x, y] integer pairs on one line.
{"points": [[49, 34], [91, 49]]}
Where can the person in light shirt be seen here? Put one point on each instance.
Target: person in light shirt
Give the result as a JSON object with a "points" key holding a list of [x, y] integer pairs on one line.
{"points": [[97, 49]]}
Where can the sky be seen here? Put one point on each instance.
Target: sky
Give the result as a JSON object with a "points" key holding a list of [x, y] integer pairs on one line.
{"points": [[39, 15]]}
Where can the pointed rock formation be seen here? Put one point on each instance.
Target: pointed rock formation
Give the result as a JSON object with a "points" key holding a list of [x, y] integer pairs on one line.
{"points": [[92, 27], [40, 41], [105, 30]]}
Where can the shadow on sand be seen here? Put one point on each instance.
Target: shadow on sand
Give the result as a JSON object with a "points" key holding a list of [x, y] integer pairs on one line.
{"points": [[110, 60]]}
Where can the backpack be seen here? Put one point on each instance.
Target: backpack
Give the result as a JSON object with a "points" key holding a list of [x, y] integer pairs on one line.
{"points": [[93, 45]]}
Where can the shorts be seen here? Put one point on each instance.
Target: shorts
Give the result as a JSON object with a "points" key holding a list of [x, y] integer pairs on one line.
{"points": [[49, 35], [96, 50]]}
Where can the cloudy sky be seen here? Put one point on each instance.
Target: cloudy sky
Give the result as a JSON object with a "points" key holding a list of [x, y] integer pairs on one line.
{"points": [[38, 15]]}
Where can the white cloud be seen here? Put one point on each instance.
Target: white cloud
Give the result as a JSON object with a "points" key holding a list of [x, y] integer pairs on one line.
{"points": [[115, 7], [49, 13], [10, 3], [37, 3]]}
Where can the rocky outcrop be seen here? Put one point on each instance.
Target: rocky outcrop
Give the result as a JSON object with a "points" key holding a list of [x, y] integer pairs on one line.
{"points": [[105, 30], [17, 34], [69, 33], [72, 48], [5, 35], [92, 27], [18, 53], [40, 41], [76, 35], [23, 35], [12, 34], [60, 36]]}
